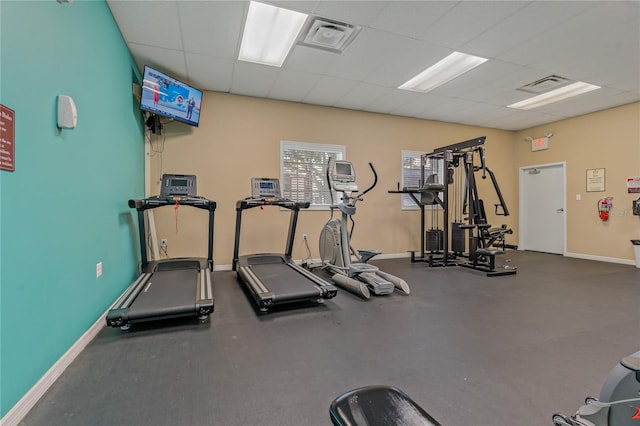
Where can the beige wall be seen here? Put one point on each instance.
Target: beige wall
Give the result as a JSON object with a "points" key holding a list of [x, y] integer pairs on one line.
{"points": [[239, 137], [607, 139]]}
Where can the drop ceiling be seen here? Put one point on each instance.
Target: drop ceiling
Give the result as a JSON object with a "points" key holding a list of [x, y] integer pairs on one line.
{"points": [[597, 42]]}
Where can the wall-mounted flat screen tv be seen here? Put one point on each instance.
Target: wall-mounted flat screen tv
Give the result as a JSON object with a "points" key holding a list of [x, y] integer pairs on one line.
{"points": [[166, 96]]}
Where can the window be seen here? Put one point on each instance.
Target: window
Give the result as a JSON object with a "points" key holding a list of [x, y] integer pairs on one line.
{"points": [[303, 171], [411, 173]]}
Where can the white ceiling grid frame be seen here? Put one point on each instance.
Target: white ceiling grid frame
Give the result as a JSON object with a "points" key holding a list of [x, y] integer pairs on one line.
{"points": [[352, 12], [594, 41], [138, 21], [360, 96], [411, 19], [163, 59], [392, 101], [405, 58], [361, 57], [525, 24], [293, 85], [328, 90], [201, 67], [469, 19], [222, 20], [251, 79]]}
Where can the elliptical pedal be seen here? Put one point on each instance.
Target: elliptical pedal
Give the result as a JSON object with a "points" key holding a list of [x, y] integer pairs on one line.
{"points": [[378, 285]]}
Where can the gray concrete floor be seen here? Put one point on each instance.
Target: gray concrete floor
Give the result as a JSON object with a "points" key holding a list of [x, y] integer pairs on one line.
{"points": [[471, 350]]}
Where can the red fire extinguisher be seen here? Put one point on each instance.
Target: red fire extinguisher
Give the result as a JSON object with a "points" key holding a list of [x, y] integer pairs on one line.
{"points": [[604, 206]]}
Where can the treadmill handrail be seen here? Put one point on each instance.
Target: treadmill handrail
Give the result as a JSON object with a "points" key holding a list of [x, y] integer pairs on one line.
{"points": [[158, 201], [249, 203]]}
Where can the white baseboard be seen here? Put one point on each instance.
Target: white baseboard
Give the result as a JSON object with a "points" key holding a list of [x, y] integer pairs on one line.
{"points": [[392, 255], [30, 399], [221, 268], [601, 258]]}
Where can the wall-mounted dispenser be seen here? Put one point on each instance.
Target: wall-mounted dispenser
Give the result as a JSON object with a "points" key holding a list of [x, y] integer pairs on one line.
{"points": [[67, 114]]}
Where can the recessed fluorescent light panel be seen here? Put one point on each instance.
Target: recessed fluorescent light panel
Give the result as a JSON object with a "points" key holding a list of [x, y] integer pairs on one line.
{"points": [[269, 34], [451, 67], [556, 95]]}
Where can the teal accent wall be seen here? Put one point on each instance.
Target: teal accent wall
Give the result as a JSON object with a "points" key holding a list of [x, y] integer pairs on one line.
{"points": [[64, 209]]}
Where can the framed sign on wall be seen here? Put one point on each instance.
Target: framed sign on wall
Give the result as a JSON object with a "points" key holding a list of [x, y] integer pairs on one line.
{"points": [[595, 180]]}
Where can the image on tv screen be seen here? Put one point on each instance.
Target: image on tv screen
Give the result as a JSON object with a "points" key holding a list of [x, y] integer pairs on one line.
{"points": [[164, 95]]}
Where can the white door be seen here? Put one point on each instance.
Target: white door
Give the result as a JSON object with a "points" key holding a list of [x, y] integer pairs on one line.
{"points": [[542, 208]]}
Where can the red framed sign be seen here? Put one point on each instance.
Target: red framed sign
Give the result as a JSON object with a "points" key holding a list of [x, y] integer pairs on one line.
{"points": [[7, 139]]}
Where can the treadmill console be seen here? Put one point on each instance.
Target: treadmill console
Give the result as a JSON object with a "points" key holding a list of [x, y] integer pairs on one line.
{"points": [[265, 188], [343, 177], [184, 185]]}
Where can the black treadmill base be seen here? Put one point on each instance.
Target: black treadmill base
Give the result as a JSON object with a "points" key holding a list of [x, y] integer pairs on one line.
{"points": [[282, 287]]}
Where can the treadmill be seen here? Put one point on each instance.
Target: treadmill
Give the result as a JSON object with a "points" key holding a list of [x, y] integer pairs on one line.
{"points": [[168, 288], [274, 279]]}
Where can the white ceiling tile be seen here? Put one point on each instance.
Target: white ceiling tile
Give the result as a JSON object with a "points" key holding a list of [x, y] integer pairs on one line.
{"points": [[472, 110], [404, 58], [168, 61], [304, 6], [328, 90], [361, 95], [139, 22], [449, 109], [522, 120], [588, 102], [596, 41], [200, 70], [576, 35], [626, 78], [391, 101], [293, 85], [489, 73], [490, 115], [506, 79], [469, 19], [365, 54], [251, 79], [360, 12], [212, 28], [411, 18], [307, 59], [535, 18], [419, 104]]}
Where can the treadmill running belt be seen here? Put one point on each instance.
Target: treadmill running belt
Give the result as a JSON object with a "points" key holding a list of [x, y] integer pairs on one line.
{"points": [[167, 294], [285, 282]]}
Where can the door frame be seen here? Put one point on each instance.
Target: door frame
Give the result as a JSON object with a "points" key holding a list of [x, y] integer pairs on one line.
{"points": [[521, 218]]}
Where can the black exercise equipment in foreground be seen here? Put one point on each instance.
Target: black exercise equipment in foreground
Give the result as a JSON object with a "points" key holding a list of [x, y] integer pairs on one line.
{"points": [[168, 288], [619, 402], [274, 279], [378, 406]]}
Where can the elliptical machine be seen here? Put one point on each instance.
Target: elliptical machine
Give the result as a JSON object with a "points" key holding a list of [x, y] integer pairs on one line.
{"points": [[619, 402], [336, 252]]}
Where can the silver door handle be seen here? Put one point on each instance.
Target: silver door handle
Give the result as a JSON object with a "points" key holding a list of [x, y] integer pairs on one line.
{"points": [[559, 210]]}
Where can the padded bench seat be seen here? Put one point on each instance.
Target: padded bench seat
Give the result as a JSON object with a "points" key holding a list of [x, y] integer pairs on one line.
{"points": [[378, 405]]}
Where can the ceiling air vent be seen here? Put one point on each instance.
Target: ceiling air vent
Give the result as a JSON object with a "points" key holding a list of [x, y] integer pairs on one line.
{"points": [[546, 84], [322, 33]]}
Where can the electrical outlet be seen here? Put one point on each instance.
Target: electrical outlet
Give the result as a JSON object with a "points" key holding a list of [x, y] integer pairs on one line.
{"points": [[98, 269], [163, 243], [304, 237]]}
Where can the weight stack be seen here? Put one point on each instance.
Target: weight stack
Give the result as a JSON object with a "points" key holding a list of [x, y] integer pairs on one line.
{"points": [[457, 237], [434, 239]]}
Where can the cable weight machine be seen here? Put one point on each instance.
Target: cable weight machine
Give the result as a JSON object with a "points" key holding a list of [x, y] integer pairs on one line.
{"points": [[466, 239]]}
